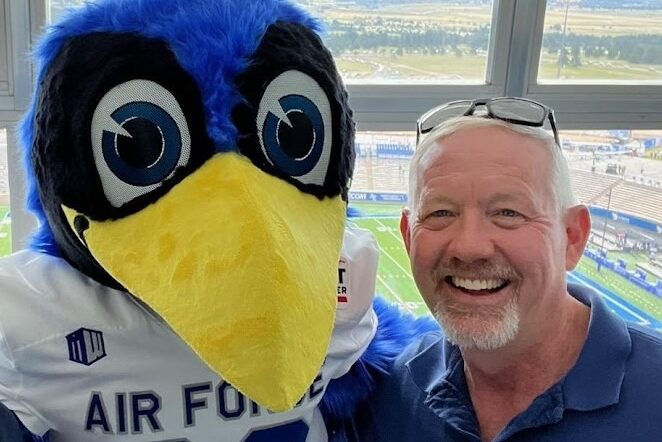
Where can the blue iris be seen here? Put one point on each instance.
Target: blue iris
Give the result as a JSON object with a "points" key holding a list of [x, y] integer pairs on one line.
{"points": [[153, 150], [295, 150]]}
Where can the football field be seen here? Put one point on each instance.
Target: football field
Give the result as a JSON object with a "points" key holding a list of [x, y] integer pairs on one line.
{"points": [[5, 231], [394, 280]]}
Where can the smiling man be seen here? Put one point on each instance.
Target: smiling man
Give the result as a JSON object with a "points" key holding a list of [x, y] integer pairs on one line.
{"points": [[491, 230]]}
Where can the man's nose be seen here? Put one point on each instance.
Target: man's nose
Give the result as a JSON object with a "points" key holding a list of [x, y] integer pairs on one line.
{"points": [[471, 240]]}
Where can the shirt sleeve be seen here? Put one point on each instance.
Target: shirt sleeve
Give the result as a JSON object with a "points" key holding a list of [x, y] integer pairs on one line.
{"points": [[11, 383]]}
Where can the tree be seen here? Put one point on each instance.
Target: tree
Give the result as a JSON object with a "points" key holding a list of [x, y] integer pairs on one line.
{"points": [[575, 58], [563, 58]]}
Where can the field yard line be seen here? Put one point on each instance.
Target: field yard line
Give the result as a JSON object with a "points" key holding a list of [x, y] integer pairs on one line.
{"points": [[399, 238], [611, 298], [388, 255], [404, 304]]}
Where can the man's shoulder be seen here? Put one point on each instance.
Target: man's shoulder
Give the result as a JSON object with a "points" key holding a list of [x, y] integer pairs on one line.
{"points": [[641, 379], [646, 347]]}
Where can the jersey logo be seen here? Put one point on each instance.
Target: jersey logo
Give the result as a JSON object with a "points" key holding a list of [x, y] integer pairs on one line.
{"points": [[343, 279], [86, 346]]}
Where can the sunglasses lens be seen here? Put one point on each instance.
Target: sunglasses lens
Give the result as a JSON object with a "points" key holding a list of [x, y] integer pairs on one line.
{"points": [[435, 117], [510, 109]]}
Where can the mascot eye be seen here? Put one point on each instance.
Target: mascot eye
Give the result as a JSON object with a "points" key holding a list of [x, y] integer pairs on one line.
{"points": [[139, 137], [294, 127]]}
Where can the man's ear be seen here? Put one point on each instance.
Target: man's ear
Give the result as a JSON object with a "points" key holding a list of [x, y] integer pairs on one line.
{"points": [[404, 227], [577, 230]]}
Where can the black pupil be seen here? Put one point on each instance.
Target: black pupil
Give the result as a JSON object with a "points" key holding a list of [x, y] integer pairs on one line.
{"points": [[296, 141], [145, 146]]}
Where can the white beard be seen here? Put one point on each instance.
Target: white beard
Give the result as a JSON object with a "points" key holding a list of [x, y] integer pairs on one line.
{"points": [[482, 328]]}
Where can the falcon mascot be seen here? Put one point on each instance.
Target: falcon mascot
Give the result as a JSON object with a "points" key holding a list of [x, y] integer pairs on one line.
{"points": [[192, 277]]}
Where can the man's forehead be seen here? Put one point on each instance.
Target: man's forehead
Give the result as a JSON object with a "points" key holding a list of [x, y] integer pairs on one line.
{"points": [[486, 146]]}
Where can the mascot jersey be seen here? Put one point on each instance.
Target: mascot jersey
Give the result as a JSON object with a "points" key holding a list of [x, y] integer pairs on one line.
{"points": [[189, 163], [92, 363]]}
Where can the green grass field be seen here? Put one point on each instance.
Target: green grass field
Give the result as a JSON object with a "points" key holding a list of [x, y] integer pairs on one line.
{"points": [[395, 282], [5, 232], [472, 67], [360, 64]]}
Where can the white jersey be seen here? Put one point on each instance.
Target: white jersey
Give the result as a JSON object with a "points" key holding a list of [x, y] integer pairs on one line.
{"points": [[94, 364]]}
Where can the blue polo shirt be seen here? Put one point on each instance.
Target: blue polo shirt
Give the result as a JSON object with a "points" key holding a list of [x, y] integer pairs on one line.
{"points": [[613, 393]]}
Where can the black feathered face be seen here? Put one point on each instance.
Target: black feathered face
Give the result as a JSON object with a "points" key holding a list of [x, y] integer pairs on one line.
{"points": [[118, 114], [120, 123], [296, 123], [99, 149], [212, 237]]}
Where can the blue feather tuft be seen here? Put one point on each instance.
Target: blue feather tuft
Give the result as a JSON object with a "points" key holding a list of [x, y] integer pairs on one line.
{"points": [[353, 212], [212, 40], [395, 331]]}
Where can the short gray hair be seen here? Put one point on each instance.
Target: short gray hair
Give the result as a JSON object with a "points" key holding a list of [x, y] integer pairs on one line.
{"points": [[561, 186]]}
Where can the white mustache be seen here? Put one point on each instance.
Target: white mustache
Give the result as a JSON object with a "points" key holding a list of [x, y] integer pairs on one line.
{"points": [[484, 270]]}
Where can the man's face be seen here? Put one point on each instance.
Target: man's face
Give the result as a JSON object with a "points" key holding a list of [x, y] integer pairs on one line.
{"points": [[487, 244]]}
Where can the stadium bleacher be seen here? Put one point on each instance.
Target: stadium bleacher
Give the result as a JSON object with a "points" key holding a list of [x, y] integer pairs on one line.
{"points": [[626, 197], [392, 150]]}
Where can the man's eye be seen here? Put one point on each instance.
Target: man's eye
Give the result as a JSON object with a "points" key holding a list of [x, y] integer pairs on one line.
{"points": [[508, 213], [441, 213]]}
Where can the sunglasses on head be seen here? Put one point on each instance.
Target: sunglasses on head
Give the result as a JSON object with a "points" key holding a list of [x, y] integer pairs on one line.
{"points": [[510, 109]]}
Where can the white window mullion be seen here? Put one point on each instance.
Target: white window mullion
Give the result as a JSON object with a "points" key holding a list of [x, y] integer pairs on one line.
{"points": [[23, 223], [503, 16], [20, 47], [12, 108], [527, 28]]}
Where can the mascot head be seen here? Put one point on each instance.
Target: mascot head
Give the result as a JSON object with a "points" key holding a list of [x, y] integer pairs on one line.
{"points": [[197, 154]]}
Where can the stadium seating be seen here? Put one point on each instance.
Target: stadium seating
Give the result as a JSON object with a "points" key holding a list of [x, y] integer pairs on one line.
{"points": [[394, 150], [626, 197]]}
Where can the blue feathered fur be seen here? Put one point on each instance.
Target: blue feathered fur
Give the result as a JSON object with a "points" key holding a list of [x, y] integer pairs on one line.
{"points": [[211, 39], [396, 329]]}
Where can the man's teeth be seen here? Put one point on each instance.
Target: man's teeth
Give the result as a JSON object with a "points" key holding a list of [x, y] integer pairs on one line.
{"points": [[478, 284]]}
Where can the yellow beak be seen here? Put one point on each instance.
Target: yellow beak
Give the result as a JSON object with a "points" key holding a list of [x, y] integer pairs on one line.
{"points": [[242, 266]]}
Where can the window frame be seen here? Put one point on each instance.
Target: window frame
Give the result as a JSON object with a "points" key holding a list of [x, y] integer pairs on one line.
{"points": [[17, 32]]}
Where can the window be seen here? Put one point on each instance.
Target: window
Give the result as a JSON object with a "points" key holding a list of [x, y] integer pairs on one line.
{"points": [[618, 175], [405, 42], [55, 8], [5, 217], [614, 44]]}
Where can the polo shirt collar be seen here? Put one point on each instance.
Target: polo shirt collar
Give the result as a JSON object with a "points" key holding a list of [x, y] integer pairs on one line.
{"points": [[594, 381]]}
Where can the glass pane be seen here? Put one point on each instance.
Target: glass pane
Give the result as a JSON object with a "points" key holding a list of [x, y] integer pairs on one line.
{"points": [[407, 42], [55, 8], [611, 41], [396, 41], [617, 173], [5, 219], [378, 194]]}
